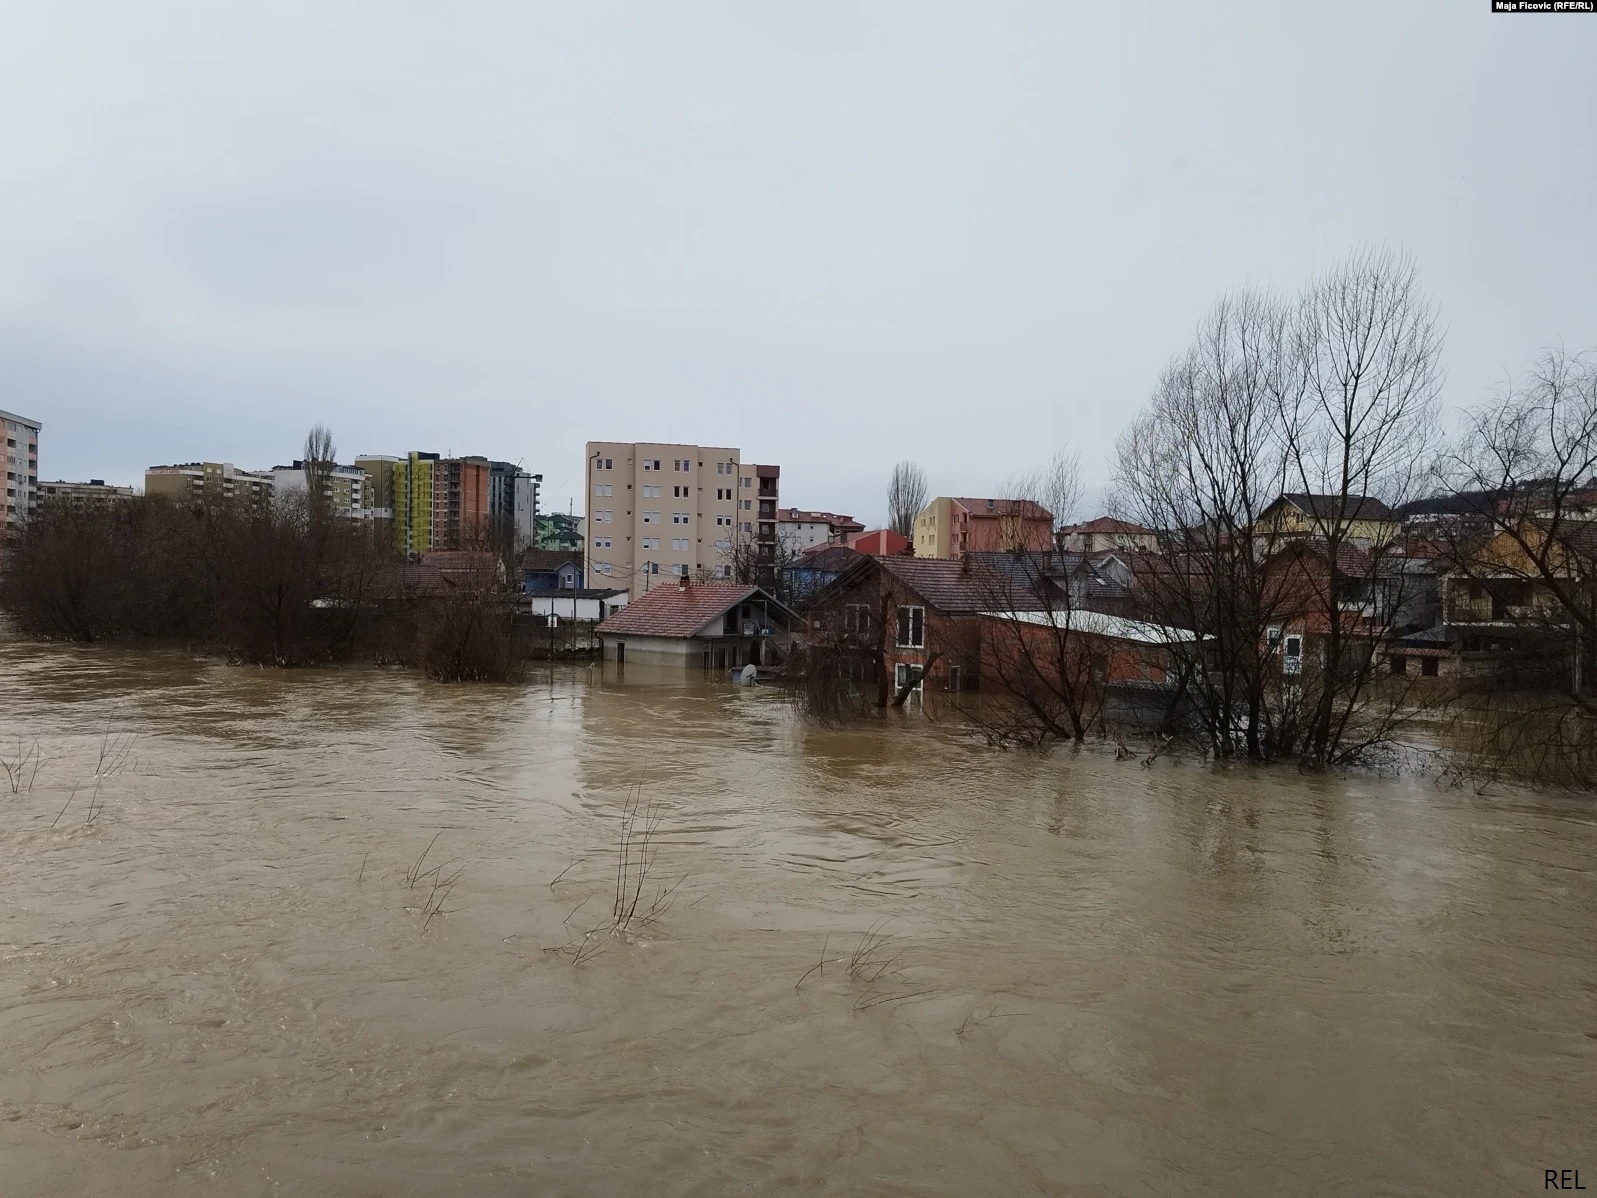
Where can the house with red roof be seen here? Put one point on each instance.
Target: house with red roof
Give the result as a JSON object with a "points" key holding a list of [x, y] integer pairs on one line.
{"points": [[705, 625]]}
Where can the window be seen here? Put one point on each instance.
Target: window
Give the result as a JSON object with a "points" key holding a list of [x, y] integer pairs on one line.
{"points": [[1398, 663], [650, 492], [1428, 667], [723, 546], [648, 542], [679, 517], [651, 567], [679, 492], [856, 617], [912, 627], [723, 521], [651, 517], [684, 464], [609, 464], [603, 517], [679, 544], [601, 488], [680, 569], [1272, 638], [723, 571], [905, 674], [601, 542], [748, 482], [748, 505], [747, 527]]}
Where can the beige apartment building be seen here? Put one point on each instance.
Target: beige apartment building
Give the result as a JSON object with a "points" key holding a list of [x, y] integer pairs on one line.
{"points": [[657, 510], [21, 496], [210, 482], [94, 493]]}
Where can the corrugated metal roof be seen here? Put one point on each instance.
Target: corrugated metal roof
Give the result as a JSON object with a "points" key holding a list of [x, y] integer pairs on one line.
{"points": [[1096, 623]]}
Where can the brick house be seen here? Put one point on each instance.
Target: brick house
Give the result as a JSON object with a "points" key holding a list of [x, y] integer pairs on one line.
{"points": [[905, 621]]}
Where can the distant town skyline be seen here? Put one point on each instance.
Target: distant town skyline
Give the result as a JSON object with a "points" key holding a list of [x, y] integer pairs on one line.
{"points": [[835, 237]]}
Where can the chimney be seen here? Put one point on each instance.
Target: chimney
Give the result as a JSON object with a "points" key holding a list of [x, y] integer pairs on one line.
{"points": [[682, 582], [964, 563]]}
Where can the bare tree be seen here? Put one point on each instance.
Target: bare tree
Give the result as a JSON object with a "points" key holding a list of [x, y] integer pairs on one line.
{"points": [[320, 456], [1522, 594], [1201, 464], [906, 496], [1055, 485], [1355, 396]]}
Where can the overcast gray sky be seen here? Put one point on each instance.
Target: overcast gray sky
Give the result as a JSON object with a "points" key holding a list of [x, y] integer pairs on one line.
{"points": [[833, 234]]}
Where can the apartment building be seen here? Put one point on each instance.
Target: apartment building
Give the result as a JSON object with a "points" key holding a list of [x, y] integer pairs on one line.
{"points": [[21, 497], [412, 495], [799, 530], [460, 502], [379, 471], [346, 490], [94, 493], [513, 502], [951, 526], [210, 483], [655, 508]]}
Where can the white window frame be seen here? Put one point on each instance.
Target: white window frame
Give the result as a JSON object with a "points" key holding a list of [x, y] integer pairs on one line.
{"points": [[910, 609]]}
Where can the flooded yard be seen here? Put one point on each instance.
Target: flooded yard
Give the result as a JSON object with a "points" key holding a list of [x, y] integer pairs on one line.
{"points": [[893, 961]]}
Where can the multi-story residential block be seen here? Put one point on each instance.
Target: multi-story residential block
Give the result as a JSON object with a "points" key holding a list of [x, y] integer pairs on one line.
{"points": [[210, 483], [21, 497], [94, 493], [412, 494], [513, 502], [687, 510], [460, 502], [344, 490], [949, 527], [798, 530], [379, 469]]}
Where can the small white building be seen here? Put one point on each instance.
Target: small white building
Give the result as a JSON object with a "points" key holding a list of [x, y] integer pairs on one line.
{"points": [[799, 530], [575, 604]]}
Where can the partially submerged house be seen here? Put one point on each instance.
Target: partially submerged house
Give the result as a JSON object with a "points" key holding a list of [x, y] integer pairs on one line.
{"points": [[910, 620], [707, 625]]}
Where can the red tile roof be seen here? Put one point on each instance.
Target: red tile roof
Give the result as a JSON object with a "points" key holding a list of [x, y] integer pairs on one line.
{"points": [[670, 609], [1027, 509], [1108, 524], [832, 519], [954, 587]]}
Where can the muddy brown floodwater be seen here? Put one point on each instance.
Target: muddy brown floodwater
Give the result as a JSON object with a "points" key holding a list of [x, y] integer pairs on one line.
{"points": [[1093, 978]]}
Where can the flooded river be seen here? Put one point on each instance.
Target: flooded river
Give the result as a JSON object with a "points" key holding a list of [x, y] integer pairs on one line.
{"points": [[1086, 977]]}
